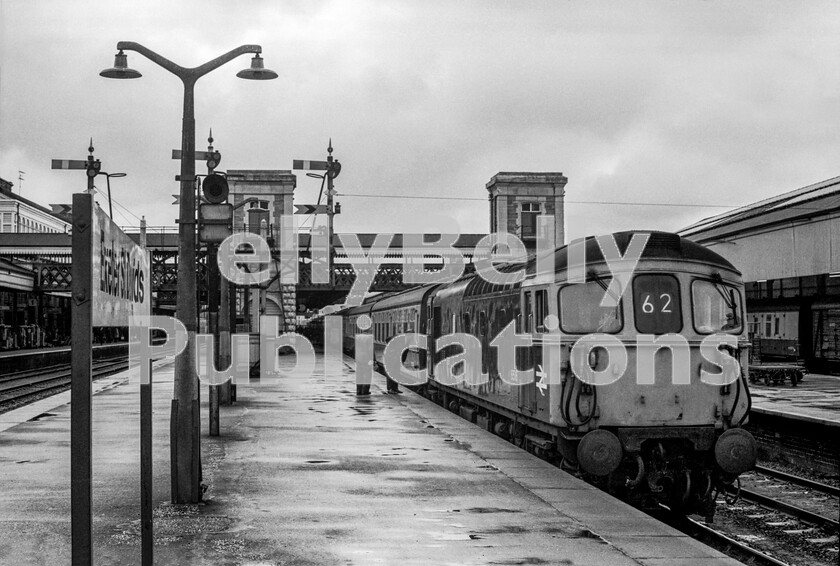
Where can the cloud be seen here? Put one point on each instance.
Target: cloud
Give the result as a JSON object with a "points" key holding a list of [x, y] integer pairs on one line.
{"points": [[659, 102]]}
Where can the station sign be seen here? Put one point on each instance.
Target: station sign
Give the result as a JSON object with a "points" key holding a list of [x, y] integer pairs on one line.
{"points": [[121, 284]]}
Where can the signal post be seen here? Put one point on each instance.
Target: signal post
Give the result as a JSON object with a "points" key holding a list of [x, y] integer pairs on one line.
{"points": [[332, 168], [215, 223]]}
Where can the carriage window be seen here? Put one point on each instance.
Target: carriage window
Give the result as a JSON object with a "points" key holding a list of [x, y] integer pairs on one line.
{"points": [[657, 307], [527, 312], [466, 323], [541, 308], [581, 311], [482, 323], [716, 307]]}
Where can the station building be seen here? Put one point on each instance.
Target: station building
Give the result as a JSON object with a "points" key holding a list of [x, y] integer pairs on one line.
{"points": [[35, 253], [28, 317], [788, 250]]}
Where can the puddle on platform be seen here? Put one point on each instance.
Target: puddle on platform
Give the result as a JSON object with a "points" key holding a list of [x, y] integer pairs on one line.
{"points": [[41, 416], [454, 536], [532, 560], [363, 411], [489, 510], [586, 533], [505, 530]]}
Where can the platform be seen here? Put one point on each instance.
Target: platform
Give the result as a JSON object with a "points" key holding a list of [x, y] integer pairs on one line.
{"points": [[51, 350], [306, 472], [815, 399], [35, 358]]}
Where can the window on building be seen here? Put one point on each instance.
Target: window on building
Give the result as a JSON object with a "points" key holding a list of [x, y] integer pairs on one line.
{"points": [[530, 211], [753, 326]]}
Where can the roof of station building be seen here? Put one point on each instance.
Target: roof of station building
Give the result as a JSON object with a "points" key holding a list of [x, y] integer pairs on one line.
{"points": [[807, 202]]}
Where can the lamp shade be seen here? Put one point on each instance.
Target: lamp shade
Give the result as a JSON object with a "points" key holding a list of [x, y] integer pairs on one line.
{"points": [[257, 71], [120, 70]]}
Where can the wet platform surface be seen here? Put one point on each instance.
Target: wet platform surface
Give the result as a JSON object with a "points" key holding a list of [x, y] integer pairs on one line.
{"points": [[306, 472], [816, 398]]}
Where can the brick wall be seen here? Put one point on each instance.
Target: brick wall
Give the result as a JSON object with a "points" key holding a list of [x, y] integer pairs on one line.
{"points": [[800, 443]]}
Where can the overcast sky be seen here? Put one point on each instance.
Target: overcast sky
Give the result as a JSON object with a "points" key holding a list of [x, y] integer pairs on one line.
{"points": [[664, 103]]}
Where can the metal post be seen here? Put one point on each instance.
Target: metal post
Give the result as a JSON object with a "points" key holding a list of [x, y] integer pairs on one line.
{"points": [[81, 433], [330, 214], [110, 206], [184, 427], [146, 443], [232, 296], [186, 465], [146, 478], [223, 320], [213, 323]]}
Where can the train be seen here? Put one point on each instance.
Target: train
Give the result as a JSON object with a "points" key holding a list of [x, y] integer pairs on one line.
{"points": [[657, 434]]}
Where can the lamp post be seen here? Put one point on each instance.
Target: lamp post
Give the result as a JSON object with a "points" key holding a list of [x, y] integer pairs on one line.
{"points": [[108, 182], [185, 422]]}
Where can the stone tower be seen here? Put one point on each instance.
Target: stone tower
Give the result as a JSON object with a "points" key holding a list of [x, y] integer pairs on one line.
{"points": [[516, 199], [274, 191]]}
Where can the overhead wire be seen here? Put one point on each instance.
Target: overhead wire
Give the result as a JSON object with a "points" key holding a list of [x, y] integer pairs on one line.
{"points": [[119, 205], [566, 201]]}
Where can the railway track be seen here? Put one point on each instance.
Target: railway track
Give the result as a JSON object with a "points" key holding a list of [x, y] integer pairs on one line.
{"points": [[806, 500], [724, 543], [22, 387], [781, 518], [804, 482], [765, 531]]}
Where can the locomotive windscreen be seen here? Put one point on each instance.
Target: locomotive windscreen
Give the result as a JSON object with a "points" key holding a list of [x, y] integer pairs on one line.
{"points": [[656, 304]]}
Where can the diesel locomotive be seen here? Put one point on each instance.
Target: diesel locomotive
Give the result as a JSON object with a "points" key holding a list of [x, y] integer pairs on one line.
{"points": [[656, 427]]}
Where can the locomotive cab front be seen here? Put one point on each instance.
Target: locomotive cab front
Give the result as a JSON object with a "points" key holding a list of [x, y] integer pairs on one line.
{"points": [[653, 395]]}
